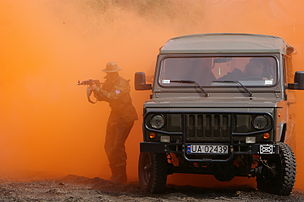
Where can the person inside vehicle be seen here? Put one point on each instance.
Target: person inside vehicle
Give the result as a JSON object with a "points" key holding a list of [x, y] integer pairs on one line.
{"points": [[256, 69]]}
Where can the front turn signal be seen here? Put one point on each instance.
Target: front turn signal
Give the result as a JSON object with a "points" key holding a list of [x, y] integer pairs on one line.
{"points": [[152, 135], [266, 136]]}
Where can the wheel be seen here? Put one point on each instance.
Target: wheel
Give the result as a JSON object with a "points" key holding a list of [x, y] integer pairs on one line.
{"points": [[152, 172], [278, 173]]}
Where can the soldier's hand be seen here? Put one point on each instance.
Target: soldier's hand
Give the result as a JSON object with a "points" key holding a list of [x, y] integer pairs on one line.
{"points": [[94, 87]]}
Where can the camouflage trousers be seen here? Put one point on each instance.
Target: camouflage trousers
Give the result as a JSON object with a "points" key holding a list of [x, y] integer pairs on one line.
{"points": [[117, 132]]}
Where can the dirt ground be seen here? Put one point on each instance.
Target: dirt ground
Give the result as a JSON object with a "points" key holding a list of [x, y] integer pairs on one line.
{"points": [[75, 188]]}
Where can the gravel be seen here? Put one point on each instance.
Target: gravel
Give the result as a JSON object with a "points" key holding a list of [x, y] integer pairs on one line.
{"points": [[76, 188]]}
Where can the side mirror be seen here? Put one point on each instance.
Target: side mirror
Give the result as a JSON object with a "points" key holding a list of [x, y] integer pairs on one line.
{"points": [[140, 81], [298, 81]]}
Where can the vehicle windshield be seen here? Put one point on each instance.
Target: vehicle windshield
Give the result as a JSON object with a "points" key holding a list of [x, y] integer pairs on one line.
{"points": [[249, 71]]}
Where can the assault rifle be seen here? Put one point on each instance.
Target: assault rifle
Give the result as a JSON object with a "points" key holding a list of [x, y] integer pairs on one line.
{"points": [[90, 83]]}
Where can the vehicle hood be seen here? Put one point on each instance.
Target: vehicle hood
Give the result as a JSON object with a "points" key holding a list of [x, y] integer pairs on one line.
{"points": [[212, 102]]}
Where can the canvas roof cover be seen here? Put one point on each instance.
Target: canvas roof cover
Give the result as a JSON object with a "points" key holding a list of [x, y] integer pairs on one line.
{"points": [[226, 43]]}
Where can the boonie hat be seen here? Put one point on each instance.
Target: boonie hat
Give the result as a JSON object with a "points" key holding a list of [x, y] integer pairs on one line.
{"points": [[111, 67]]}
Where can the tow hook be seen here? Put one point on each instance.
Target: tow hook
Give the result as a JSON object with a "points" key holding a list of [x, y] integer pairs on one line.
{"points": [[263, 169]]}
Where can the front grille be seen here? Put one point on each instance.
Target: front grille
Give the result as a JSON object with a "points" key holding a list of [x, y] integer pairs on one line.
{"points": [[208, 127]]}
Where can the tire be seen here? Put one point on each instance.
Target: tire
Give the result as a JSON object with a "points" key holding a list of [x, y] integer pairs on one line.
{"points": [[281, 180], [152, 172]]}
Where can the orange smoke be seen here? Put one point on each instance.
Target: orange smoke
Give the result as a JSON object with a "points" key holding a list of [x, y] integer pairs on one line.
{"points": [[48, 128]]}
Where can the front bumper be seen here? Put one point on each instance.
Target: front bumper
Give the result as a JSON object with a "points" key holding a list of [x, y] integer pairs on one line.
{"points": [[249, 149]]}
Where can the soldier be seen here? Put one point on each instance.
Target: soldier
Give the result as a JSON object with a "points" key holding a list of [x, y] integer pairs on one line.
{"points": [[116, 91]]}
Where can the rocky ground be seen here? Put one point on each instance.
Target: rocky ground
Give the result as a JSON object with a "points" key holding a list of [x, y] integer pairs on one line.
{"points": [[75, 188]]}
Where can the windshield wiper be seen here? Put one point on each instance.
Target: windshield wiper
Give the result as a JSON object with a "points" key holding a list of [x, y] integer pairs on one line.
{"points": [[237, 82], [192, 82]]}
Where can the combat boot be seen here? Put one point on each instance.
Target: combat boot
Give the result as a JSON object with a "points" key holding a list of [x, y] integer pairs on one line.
{"points": [[119, 175]]}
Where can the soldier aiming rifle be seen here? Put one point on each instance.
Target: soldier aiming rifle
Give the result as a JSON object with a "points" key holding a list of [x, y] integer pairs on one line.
{"points": [[116, 91]]}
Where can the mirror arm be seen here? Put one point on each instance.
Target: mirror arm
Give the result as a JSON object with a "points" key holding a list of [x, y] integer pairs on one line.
{"points": [[291, 86]]}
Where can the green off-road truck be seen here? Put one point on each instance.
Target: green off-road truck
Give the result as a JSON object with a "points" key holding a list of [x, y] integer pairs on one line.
{"points": [[219, 107]]}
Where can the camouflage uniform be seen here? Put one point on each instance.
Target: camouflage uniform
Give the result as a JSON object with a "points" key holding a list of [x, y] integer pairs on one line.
{"points": [[117, 92]]}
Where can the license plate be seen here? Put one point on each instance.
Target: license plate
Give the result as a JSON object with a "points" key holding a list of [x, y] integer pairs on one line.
{"points": [[207, 149]]}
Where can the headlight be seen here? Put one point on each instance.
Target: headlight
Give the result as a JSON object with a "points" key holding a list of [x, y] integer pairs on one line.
{"points": [[260, 122], [157, 121]]}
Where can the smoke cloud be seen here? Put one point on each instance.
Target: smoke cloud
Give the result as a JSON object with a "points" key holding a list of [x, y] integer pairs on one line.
{"points": [[49, 129]]}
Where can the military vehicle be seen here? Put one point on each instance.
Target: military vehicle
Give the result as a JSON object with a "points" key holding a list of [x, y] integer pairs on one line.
{"points": [[219, 107]]}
